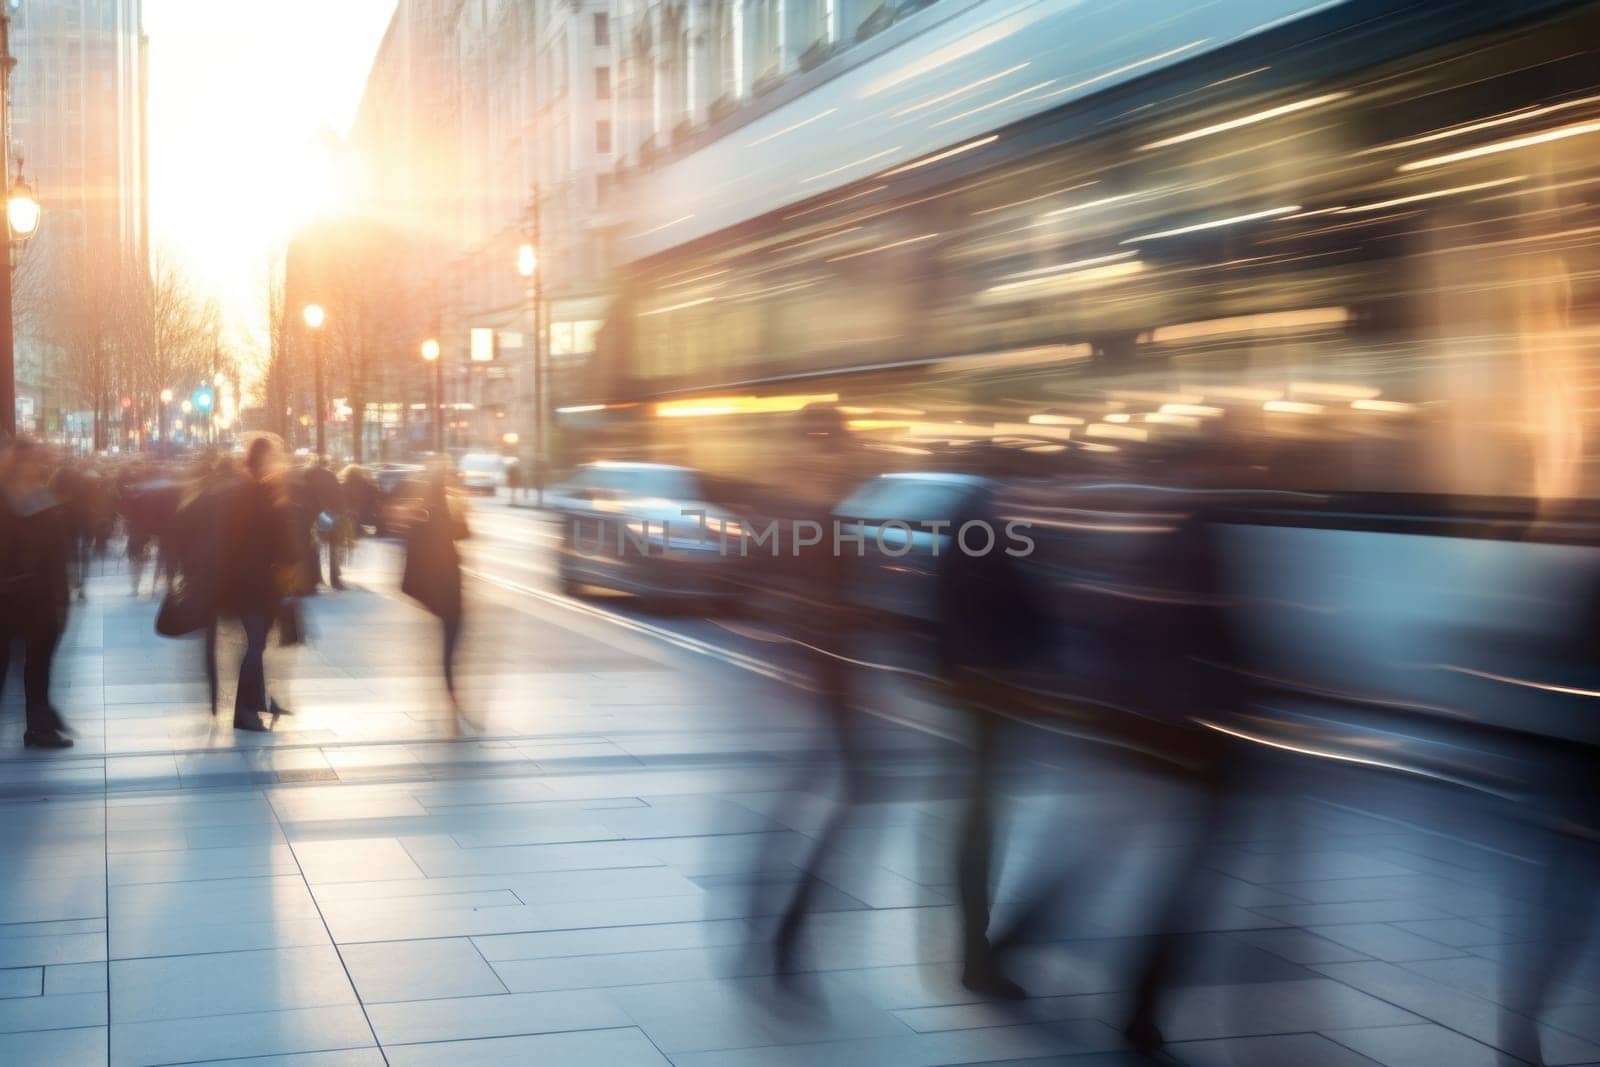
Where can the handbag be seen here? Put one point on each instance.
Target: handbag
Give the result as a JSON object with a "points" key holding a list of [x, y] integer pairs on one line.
{"points": [[182, 613]]}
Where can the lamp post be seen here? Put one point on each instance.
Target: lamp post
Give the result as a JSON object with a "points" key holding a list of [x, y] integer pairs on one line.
{"points": [[430, 354], [163, 430], [22, 221], [315, 317], [528, 267]]}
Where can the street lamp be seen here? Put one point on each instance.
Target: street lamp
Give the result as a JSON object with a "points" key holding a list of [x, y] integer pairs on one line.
{"points": [[528, 267], [430, 354], [22, 220], [22, 211], [163, 429], [315, 317]]}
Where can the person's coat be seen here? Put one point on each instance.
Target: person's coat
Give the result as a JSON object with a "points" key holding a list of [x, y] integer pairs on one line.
{"points": [[432, 574]]}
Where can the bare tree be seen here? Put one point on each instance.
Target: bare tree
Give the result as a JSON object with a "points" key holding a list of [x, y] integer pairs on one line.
{"points": [[170, 335], [277, 382], [361, 272]]}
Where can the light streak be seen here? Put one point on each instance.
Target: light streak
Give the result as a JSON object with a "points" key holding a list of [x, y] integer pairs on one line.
{"points": [[1213, 224], [1559, 134], [773, 136], [1246, 120]]}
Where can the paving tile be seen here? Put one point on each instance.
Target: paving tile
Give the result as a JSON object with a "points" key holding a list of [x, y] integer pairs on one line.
{"points": [[177, 987], [602, 940], [21, 982], [991, 1044], [57, 1048], [1459, 1011], [503, 1015], [56, 948], [350, 1057], [354, 861], [1383, 941], [1406, 1046], [240, 1035], [419, 970], [172, 936], [622, 1047], [68, 1011], [1302, 1050], [75, 978], [1200, 1012], [695, 1016], [1300, 946]]}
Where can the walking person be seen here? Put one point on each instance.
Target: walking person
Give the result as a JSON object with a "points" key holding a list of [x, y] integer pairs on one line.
{"points": [[433, 567], [259, 567], [328, 501], [34, 585]]}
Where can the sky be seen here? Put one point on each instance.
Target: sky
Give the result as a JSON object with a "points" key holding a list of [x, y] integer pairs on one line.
{"points": [[245, 99]]}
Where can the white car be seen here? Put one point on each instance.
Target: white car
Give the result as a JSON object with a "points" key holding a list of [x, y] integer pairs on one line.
{"points": [[681, 556], [483, 472]]}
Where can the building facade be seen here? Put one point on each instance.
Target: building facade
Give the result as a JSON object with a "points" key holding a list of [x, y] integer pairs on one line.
{"points": [[490, 123], [78, 123]]}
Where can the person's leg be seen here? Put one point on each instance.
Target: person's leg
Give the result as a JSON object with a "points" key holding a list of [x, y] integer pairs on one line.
{"points": [[980, 972], [452, 636], [852, 785], [212, 682], [251, 698], [333, 564], [39, 649]]}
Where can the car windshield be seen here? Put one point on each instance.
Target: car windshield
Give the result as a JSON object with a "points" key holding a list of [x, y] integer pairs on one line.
{"points": [[908, 499], [665, 482], [481, 464]]}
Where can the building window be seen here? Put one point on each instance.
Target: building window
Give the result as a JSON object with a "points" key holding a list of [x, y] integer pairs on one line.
{"points": [[602, 137], [602, 29], [602, 83]]}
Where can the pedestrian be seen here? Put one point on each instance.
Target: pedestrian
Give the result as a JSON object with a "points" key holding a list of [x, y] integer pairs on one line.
{"points": [[199, 550], [433, 566], [34, 584], [989, 626], [515, 480], [327, 498], [259, 567]]}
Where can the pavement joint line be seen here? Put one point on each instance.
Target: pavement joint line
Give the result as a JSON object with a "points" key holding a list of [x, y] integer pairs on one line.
{"points": [[1357, 810]]}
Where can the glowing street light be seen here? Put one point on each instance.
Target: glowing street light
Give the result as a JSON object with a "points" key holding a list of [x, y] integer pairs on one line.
{"points": [[166, 396], [527, 260], [430, 354], [22, 211], [315, 317]]}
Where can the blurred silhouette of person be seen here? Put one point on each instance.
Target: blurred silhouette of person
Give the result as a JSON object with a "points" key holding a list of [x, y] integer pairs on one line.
{"points": [[328, 501], [149, 505], [515, 480], [823, 627], [1565, 811], [34, 586], [259, 567], [432, 573], [989, 626], [360, 500], [200, 551]]}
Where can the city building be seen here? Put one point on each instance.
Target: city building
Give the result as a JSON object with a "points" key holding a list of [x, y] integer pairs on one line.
{"points": [[487, 124], [78, 125]]}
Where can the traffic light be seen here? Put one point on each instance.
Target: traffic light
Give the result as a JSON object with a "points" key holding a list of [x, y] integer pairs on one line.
{"points": [[203, 398]]}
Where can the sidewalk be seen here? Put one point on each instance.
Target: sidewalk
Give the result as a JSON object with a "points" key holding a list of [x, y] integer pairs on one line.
{"points": [[588, 883]]}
